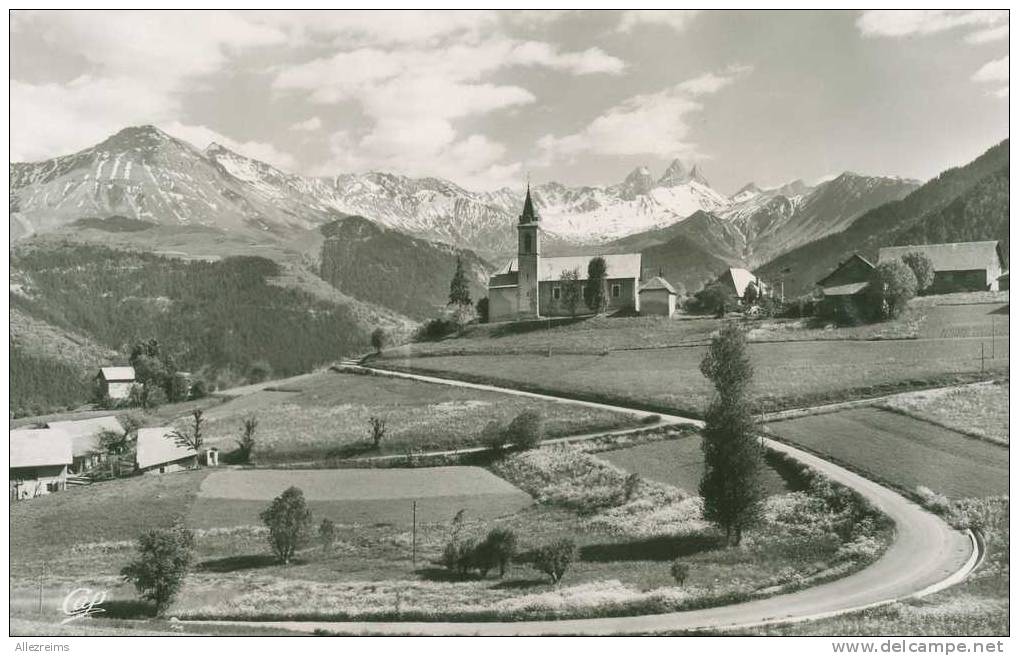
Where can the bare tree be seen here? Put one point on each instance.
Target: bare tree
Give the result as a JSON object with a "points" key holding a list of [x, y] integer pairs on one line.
{"points": [[192, 437]]}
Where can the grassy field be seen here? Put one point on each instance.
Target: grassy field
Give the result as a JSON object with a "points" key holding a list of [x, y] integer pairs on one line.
{"points": [[902, 451], [326, 415], [349, 496], [980, 410], [786, 374], [677, 462]]}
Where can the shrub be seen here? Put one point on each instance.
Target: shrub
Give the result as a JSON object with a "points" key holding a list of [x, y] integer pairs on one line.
{"points": [[377, 430], [493, 435], [379, 339], [896, 284], [482, 309], [630, 486], [594, 288], [526, 430], [459, 556], [164, 556], [327, 535], [555, 558], [288, 519], [680, 571], [435, 329], [651, 419], [246, 443], [199, 389], [259, 371], [922, 268], [496, 551], [714, 298]]}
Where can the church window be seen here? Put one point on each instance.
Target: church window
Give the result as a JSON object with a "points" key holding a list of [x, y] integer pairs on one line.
{"points": [[616, 290], [527, 243]]}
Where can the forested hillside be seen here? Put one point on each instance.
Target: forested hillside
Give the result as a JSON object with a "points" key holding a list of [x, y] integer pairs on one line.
{"points": [[403, 273], [217, 317], [961, 204]]}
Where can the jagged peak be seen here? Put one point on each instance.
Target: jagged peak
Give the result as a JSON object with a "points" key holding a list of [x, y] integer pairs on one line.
{"points": [[137, 136], [697, 176], [676, 173]]}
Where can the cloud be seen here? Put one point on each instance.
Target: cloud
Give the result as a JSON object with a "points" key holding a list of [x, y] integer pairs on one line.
{"points": [[994, 71], [201, 137], [358, 28], [310, 125], [678, 20], [902, 23], [987, 36], [653, 124]]}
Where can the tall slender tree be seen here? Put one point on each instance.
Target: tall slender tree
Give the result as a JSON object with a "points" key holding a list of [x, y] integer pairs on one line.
{"points": [[731, 484], [594, 290], [459, 290]]}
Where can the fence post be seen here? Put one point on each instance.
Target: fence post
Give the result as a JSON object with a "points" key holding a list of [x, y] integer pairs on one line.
{"points": [[981, 357], [414, 539]]}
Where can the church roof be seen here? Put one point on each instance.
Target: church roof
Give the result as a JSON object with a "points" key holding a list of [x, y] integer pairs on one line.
{"points": [[528, 215], [621, 265]]}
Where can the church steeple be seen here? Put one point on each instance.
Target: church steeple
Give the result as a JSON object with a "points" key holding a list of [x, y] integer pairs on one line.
{"points": [[529, 215]]}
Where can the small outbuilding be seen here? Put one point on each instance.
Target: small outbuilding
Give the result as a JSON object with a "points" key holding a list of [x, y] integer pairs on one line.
{"points": [[116, 382], [658, 297], [846, 291], [86, 450], [39, 462], [158, 451]]}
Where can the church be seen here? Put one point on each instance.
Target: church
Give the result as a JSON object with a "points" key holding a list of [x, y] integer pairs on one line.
{"points": [[528, 286]]}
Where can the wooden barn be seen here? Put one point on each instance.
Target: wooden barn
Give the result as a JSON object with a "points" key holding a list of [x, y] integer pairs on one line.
{"points": [[116, 382], [39, 462], [86, 450], [846, 291], [959, 266], [159, 453]]}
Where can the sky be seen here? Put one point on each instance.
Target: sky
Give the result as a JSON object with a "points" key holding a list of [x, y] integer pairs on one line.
{"points": [[486, 98]]}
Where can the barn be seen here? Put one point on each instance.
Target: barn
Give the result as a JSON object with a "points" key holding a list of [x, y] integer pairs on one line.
{"points": [[959, 266], [658, 297], [159, 453], [39, 462], [85, 447], [116, 382], [846, 291]]}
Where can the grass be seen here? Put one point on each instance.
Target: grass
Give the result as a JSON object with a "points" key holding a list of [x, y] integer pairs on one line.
{"points": [[325, 416], [979, 410], [787, 375], [902, 451]]}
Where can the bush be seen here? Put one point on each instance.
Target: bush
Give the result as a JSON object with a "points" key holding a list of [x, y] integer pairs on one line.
{"points": [[715, 298], [288, 519], [680, 571], [379, 339], [459, 556], [896, 284], [651, 419], [259, 371], [496, 551], [199, 389], [555, 558], [377, 430], [493, 435], [526, 430], [435, 329], [327, 535], [482, 309], [246, 443], [164, 556], [922, 268]]}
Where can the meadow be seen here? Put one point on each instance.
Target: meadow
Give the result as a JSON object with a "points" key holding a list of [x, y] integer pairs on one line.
{"points": [[901, 451], [787, 375], [979, 410], [325, 417]]}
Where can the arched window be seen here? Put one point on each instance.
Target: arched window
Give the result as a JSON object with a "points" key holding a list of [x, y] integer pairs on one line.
{"points": [[527, 243]]}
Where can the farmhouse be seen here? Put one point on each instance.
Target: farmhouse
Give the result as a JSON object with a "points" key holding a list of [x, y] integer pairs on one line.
{"points": [[1003, 282], [39, 462], [960, 266], [84, 434], [116, 382], [158, 452], [657, 297], [737, 280], [529, 286], [845, 291]]}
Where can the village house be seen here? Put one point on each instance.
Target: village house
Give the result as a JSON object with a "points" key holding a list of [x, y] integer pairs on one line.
{"points": [[159, 453], [657, 297], [116, 382], [736, 281], [39, 462], [528, 286], [846, 291], [960, 266], [86, 450]]}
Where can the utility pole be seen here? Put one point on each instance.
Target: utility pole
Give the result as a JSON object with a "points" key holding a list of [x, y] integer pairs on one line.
{"points": [[981, 357], [992, 336], [414, 539]]}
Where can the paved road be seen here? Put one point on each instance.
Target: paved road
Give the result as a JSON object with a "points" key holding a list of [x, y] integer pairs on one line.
{"points": [[926, 555]]}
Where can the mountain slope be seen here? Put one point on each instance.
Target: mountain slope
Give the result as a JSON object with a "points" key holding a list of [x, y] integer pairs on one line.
{"points": [[964, 203], [410, 275]]}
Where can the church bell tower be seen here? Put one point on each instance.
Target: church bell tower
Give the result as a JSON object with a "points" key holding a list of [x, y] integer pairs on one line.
{"points": [[528, 253]]}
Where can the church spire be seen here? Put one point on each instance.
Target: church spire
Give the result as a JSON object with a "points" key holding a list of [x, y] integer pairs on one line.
{"points": [[528, 215]]}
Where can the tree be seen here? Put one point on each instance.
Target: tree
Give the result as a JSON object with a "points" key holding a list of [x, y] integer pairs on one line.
{"points": [[164, 556], [327, 535], [153, 369], [922, 268], [459, 555], [715, 297], [751, 294], [288, 519], [192, 437], [459, 290], [594, 289], [571, 291], [493, 435], [246, 443], [461, 316], [199, 389], [259, 371], [482, 309], [376, 430], [379, 339], [526, 430], [116, 443], [896, 284], [496, 550], [731, 483], [555, 558], [680, 571]]}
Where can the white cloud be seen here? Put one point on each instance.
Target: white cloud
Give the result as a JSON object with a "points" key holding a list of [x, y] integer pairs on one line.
{"points": [[678, 20], [988, 35], [358, 28], [994, 71], [653, 124], [901, 23], [201, 137], [310, 125]]}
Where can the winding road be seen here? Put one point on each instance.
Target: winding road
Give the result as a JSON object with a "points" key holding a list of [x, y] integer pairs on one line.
{"points": [[926, 555]]}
